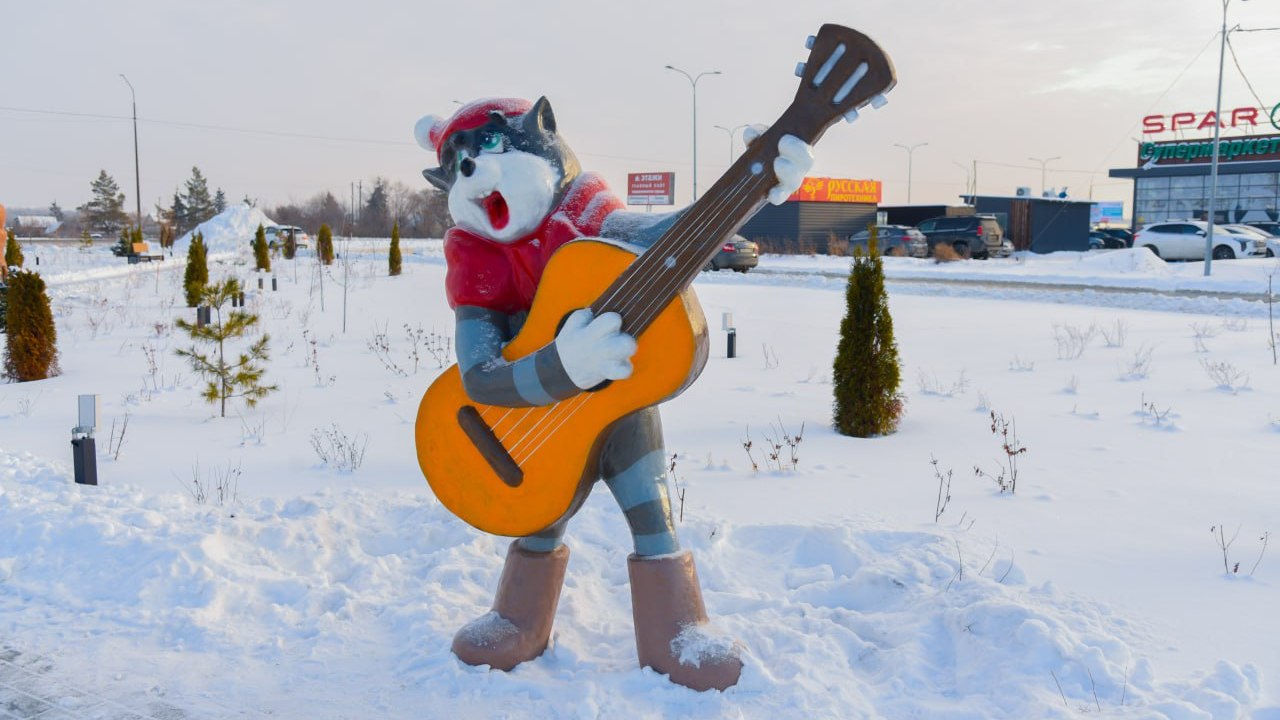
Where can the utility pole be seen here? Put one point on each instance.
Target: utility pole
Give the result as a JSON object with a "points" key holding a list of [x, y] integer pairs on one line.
{"points": [[693, 82], [137, 178], [910, 150], [1217, 137], [1043, 164]]}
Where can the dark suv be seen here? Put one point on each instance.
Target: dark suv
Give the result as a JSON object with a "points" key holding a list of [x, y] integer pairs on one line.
{"points": [[978, 236]]}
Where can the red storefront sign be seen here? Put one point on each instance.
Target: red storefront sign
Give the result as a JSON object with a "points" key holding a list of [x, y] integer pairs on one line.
{"points": [[651, 188], [838, 190]]}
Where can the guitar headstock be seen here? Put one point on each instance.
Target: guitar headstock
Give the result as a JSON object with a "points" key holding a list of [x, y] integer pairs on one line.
{"points": [[845, 71]]}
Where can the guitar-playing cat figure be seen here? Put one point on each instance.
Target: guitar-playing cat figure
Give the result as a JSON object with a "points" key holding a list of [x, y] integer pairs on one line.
{"points": [[574, 320]]}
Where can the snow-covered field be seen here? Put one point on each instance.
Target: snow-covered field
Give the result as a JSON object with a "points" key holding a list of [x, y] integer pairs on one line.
{"points": [[310, 592]]}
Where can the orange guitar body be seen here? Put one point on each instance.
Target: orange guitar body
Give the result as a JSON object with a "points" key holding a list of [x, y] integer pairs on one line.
{"points": [[556, 447]]}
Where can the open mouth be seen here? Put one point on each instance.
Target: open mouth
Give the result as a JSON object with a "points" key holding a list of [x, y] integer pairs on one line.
{"points": [[496, 207]]}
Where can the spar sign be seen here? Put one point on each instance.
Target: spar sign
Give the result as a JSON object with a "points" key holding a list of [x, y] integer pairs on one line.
{"points": [[651, 188]]}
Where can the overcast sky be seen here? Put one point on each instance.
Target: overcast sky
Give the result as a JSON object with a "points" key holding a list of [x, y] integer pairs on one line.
{"points": [[281, 99]]}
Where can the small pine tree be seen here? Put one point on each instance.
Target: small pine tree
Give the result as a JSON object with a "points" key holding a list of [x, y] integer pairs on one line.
{"points": [[866, 373], [197, 275], [393, 259], [12, 251], [241, 378], [86, 240], [166, 235], [124, 245], [261, 254], [31, 352], [324, 244], [290, 244]]}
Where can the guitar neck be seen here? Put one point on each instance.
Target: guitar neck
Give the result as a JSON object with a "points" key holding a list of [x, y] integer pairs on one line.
{"points": [[671, 264]]}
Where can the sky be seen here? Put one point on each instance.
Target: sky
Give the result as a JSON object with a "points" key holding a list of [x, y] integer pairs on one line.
{"points": [[277, 100]]}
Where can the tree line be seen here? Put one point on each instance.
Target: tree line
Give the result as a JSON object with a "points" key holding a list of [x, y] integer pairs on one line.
{"points": [[420, 213]]}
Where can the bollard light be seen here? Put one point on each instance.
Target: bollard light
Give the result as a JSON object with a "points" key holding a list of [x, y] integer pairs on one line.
{"points": [[726, 323], [84, 452]]}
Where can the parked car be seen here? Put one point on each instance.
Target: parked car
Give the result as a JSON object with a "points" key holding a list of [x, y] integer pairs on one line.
{"points": [[738, 254], [978, 236], [1249, 230], [892, 240], [1121, 234], [1099, 240], [276, 235], [1266, 226], [1184, 240]]}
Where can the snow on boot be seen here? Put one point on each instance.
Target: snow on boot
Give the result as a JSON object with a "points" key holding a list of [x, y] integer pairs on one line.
{"points": [[518, 627], [670, 620]]}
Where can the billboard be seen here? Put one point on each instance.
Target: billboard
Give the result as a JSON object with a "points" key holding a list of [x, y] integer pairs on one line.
{"points": [[1106, 213], [838, 190], [1200, 152], [651, 188]]}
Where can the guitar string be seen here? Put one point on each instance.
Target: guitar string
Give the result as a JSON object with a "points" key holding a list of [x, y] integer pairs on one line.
{"points": [[570, 412], [736, 193]]}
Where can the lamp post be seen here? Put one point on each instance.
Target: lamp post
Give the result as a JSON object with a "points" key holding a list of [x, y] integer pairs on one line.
{"points": [[693, 83], [910, 149], [731, 132], [1043, 164], [137, 179], [1217, 136]]}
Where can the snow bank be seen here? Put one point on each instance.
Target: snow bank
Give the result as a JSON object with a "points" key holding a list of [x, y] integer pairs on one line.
{"points": [[343, 604], [229, 231]]}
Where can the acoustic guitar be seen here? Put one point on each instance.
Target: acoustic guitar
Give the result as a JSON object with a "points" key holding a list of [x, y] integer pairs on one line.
{"points": [[516, 471]]}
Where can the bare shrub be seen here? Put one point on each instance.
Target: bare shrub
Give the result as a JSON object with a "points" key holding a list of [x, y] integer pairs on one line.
{"points": [[944, 489], [338, 450], [1006, 478], [1140, 366], [1225, 375], [1017, 364], [837, 246], [1115, 335], [930, 385], [220, 484], [943, 252], [1152, 414], [1072, 340]]}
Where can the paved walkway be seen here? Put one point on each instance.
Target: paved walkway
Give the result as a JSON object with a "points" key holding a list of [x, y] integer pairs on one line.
{"points": [[32, 687]]}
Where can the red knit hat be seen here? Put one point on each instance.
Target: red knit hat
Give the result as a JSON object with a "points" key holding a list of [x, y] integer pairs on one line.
{"points": [[432, 131]]}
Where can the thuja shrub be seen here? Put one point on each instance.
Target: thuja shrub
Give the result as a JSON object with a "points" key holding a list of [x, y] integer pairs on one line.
{"points": [[197, 275], [261, 254], [324, 243], [867, 375], [12, 251], [31, 352], [393, 257]]}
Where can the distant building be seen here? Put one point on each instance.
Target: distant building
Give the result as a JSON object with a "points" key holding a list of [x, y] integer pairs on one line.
{"points": [[820, 209], [36, 224]]}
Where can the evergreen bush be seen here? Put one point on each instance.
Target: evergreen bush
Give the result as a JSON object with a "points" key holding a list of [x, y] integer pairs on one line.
{"points": [[242, 375], [197, 275], [261, 254], [12, 251], [393, 259], [324, 243], [866, 375], [290, 245], [31, 352]]}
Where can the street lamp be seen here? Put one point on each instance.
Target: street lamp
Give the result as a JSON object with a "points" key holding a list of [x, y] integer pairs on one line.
{"points": [[1217, 136], [731, 132], [910, 149], [137, 179], [1043, 164], [693, 82]]}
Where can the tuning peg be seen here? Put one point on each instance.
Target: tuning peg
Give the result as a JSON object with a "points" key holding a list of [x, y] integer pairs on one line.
{"points": [[851, 116], [809, 41], [799, 70], [879, 101]]}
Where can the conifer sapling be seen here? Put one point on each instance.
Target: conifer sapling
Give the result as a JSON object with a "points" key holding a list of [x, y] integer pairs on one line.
{"points": [[197, 274], [324, 242], [31, 352], [393, 259], [261, 255], [12, 251], [241, 377]]}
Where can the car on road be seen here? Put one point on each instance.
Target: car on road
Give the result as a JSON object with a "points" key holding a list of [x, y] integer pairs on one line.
{"points": [[1184, 240], [1099, 240], [276, 235], [978, 236], [737, 253], [892, 240]]}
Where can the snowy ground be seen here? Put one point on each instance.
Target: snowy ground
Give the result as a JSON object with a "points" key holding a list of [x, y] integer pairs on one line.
{"points": [[318, 593]]}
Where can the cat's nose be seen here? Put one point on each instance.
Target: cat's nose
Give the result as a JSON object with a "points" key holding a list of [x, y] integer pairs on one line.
{"points": [[467, 166]]}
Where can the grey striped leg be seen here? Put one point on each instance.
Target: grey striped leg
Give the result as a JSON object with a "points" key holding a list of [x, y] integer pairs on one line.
{"points": [[634, 466], [537, 379]]}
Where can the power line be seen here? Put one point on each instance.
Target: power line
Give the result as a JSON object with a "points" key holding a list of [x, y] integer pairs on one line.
{"points": [[1239, 69]]}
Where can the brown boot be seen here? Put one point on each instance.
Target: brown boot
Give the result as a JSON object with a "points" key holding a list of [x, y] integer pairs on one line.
{"points": [[667, 604], [518, 627]]}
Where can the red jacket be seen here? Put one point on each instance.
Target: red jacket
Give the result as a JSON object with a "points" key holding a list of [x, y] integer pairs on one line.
{"points": [[504, 276]]}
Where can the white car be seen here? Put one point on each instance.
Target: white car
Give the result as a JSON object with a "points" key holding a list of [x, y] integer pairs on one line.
{"points": [[276, 234], [1272, 242], [1184, 240]]}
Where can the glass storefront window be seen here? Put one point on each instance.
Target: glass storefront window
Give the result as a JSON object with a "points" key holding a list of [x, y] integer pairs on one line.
{"points": [[1240, 197]]}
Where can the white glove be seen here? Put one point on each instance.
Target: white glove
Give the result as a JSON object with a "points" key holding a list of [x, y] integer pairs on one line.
{"points": [[593, 350], [795, 159]]}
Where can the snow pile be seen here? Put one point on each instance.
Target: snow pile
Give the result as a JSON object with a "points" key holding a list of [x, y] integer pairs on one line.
{"points": [[229, 231], [1139, 261], [305, 605]]}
